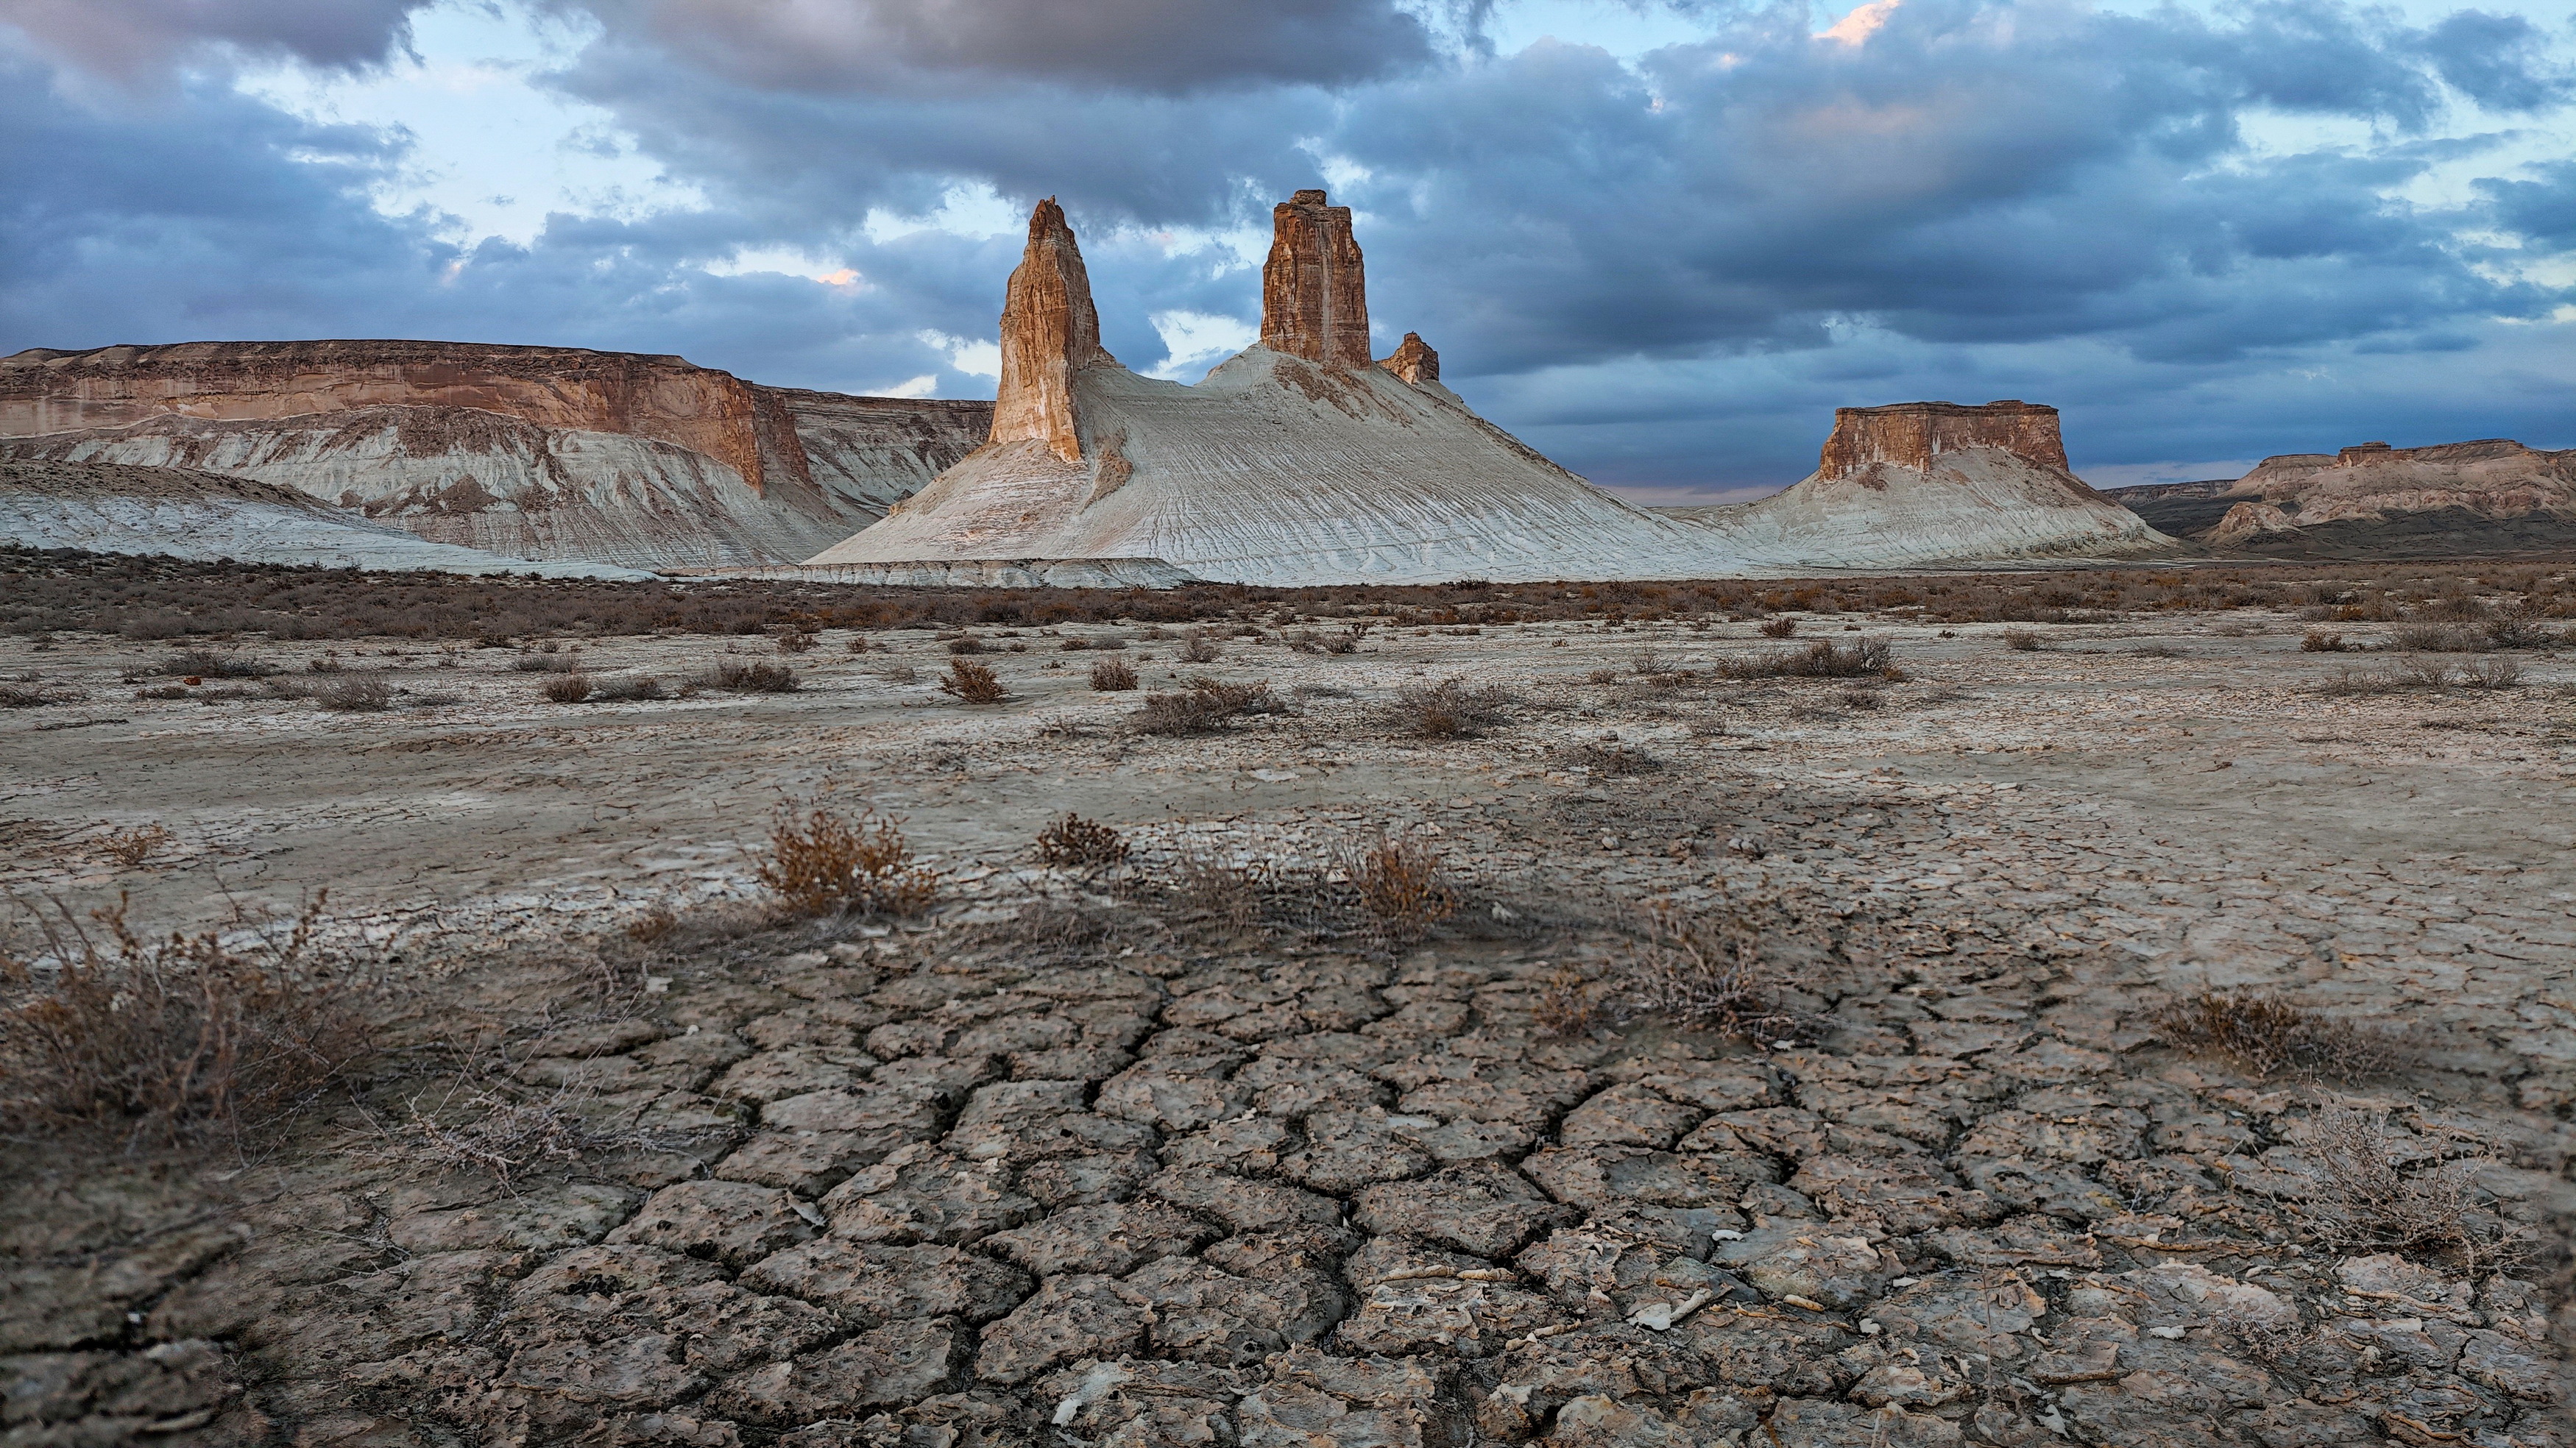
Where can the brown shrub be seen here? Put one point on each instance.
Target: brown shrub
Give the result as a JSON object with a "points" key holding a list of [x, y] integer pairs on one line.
{"points": [[1204, 706], [1605, 757], [746, 678], [1219, 890], [2319, 641], [1200, 648], [824, 862], [796, 643], [131, 848], [1403, 887], [1567, 1005], [355, 694], [568, 688], [1819, 660], [1070, 839], [2367, 1203], [170, 1040], [654, 924], [1707, 973], [966, 645], [623, 690], [2021, 640], [482, 1121], [1451, 709], [972, 683], [2268, 1035], [547, 663], [1112, 676], [1779, 628], [2491, 674]]}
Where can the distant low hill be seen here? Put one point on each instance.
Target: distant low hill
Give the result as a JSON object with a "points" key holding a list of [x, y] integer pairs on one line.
{"points": [[2490, 498]]}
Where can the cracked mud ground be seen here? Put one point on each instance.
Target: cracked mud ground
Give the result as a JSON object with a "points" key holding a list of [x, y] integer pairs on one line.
{"points": [[1109, 1173]]}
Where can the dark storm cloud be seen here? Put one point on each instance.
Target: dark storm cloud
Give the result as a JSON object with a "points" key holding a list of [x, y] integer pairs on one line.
{"points": [[2543, 211], [2498, 61], [136, 40], [920, 46]]}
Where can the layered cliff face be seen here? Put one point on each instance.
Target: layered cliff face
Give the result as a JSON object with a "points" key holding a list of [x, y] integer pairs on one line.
{"points": [[2492, 496], [540, 452], [188, 513], [1413, 360], [1913, 434], [1933, 482], [1314, 290]]}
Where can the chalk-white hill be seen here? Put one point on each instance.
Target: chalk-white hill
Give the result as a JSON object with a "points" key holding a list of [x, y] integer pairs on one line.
{"points": [[180, 513]]}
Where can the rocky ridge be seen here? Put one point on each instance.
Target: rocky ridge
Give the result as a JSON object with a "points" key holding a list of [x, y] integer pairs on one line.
{"points": [[540, 452]]}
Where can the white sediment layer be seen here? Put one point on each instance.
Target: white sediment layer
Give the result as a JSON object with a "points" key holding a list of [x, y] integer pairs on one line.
{"points": [[1978, 504]]}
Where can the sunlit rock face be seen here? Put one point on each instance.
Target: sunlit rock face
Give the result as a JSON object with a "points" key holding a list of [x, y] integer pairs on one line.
{"points": [[2497, 477], [1049, 332], [1913, 434], [1414, 361], [539, 452], [1314, 290]]}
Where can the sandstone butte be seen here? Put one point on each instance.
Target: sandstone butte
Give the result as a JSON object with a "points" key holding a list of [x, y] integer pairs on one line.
{"points": [[536, 452], [1301, 461]]}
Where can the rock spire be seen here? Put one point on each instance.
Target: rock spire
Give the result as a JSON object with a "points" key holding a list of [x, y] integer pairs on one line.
{"points": [[1413, 360], [1049, 332], [1314, 295], [1911, 434]]}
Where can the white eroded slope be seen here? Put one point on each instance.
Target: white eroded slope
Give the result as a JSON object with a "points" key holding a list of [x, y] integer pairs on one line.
{"points": [[1974, 505], [1277, 471], [110, 508], [485, 480]]}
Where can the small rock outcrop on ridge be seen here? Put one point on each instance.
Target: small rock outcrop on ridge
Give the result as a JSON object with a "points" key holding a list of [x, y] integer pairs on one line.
{"points": [[539, 452], [1932, 482], [185, 513], [1414, 361], [1314, 290]]}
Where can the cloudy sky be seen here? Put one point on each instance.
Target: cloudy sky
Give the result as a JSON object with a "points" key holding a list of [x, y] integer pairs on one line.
{"points": [[1661, 239]]}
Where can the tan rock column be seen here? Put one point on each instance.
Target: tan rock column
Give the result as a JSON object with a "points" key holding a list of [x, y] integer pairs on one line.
{"points": [[1314, 292], [1049, 332], [1413, 360]]}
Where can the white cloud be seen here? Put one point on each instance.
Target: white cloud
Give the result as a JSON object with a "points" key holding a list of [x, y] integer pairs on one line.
{"points": [[1197, 340], [974, 358], [925, 385]]}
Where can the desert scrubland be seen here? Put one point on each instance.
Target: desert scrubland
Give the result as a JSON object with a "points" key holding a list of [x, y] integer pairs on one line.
{"points": [[2065, 1008]]}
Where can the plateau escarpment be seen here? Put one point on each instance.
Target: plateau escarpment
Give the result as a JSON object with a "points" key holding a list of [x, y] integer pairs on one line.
{"points": [[1933, 482], [539, 452], [2490, 495]]}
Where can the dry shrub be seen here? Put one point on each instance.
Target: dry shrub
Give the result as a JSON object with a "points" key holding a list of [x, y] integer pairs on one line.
{"points": [[1204, 706], [859, 643], [1860, 699], [2021, 640], [2517, 627], [568, 688], [1403, 886], [484, 1122], [966, 645], [2491, 674], [1819, 660], [1707, 973], [747, 678], [1070, 839], [2409, 676], [208, 664], [2268, 1035], [653, 925], [327, 664], [823, 862], [547, 663], [2441, 639], [2365, 1203], [13, 696], [1610, 758], [2319, 641], [184, 1038], [356, 694], [131, 848], [1567, 1005], [796, 643], [1200, 648], [1778, 628], [1220, 890], [623, 690], [972, 683], [1113, 676], [1451, 709]]}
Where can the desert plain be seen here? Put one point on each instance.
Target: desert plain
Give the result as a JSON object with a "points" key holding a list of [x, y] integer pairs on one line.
{"points": [[1204, 1146]]}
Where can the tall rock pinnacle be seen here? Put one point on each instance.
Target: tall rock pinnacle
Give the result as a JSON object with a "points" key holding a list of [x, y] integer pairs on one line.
{"points": [[1049, 332], [1314, 296]]}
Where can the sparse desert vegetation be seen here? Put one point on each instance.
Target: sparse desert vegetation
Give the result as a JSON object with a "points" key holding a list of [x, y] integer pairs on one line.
{"points": [[1694, 950]]}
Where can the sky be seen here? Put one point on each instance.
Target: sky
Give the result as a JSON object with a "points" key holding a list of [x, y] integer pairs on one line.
{"points": [[1661, 240]]}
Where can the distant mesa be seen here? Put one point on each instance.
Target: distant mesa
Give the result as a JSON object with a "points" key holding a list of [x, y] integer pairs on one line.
{"points": [[2370, 500], [1302, 461], [533, 452]]}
